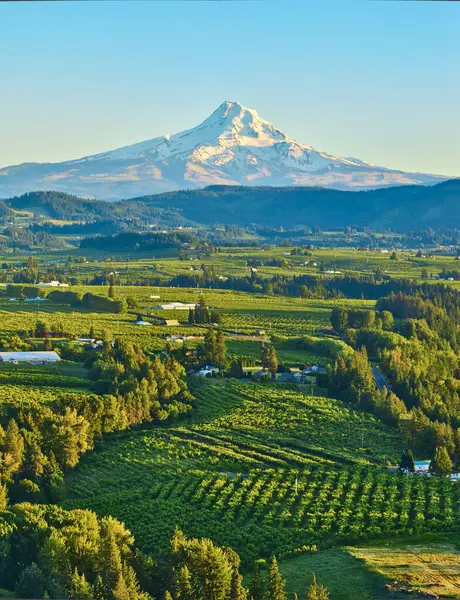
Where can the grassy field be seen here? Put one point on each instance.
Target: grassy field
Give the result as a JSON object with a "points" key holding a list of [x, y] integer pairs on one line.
{"points": [[433, 568], [346, 577]]}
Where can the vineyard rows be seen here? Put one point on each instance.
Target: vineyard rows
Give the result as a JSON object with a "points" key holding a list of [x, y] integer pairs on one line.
{"points": [[244, 471], [282, 510]]}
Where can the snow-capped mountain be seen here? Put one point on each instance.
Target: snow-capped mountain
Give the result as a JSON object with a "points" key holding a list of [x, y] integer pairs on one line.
{"points": [[233, 146]]}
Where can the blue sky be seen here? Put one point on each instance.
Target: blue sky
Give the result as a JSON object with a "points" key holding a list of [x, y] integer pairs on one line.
{"points": [[377, 80]]}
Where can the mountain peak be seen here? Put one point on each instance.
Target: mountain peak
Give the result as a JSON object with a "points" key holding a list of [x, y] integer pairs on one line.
{"points": [[232, 146]]}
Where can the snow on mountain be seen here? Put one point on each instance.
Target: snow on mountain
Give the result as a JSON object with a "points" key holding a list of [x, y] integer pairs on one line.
{"points": [[232, 146]]}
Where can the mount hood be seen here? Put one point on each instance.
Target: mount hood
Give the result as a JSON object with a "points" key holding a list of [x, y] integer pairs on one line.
{"points": [[233, 146]]}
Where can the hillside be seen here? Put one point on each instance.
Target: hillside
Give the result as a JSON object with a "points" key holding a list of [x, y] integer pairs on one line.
{"points": [[399, 207]]}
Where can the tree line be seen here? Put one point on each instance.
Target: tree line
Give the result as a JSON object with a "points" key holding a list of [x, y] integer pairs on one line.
{"points": [[40, 443], [49, 552]]}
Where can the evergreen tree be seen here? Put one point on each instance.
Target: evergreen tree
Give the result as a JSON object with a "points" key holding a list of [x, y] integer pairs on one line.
{"points": [[339, 319], [182, 583], [99, 592], [317, 591], [257, 586], [236, 369], [168, 596], [407, 461], [276, 584], [13, 447], [34, 459], [92, 332], [441, 463], [111, 292], [209, 346], [80, 589], [3, 497], [272, 361], [111, 562], [120, 591], [220, 353], [264, 357], [237, 591]]}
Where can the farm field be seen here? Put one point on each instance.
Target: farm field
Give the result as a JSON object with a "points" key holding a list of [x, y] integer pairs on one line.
{"points": [[233, 262], [242, 313], [433, 568], [264, 469]]}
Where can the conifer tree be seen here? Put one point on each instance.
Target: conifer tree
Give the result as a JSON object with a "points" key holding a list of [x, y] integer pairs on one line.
{"points": [[209, 346], [264, 357], [441, 463], [13, 447], [99, 589], [276, 583], [80, 589], [407, 461], [111, 562], [237, 591], [272, 361], [220, 355], [3, 497], [120, 591], [236, 369], [257, 586], [317, 591], [182, 583]]}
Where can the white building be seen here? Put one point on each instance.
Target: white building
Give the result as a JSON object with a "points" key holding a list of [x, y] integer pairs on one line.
{"points": [[30, 357], [176, 306], [52, 284], [207, 371]]}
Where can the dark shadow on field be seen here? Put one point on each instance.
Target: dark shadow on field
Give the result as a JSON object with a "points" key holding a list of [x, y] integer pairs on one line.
{"points": [[346, 577]]}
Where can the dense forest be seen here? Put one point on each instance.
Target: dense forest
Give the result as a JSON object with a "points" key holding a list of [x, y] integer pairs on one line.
{"points": [[415, 338]]}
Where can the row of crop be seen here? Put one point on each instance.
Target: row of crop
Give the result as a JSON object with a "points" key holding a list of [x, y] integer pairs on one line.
{"points": [[281, 510]]}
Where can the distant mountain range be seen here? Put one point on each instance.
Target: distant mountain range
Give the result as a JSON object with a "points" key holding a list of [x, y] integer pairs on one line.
{"points": [[400, 208], [233, 146]]}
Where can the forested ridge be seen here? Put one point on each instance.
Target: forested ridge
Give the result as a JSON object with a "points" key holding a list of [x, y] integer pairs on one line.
{"points": [[415, 338], [394, 207]]}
